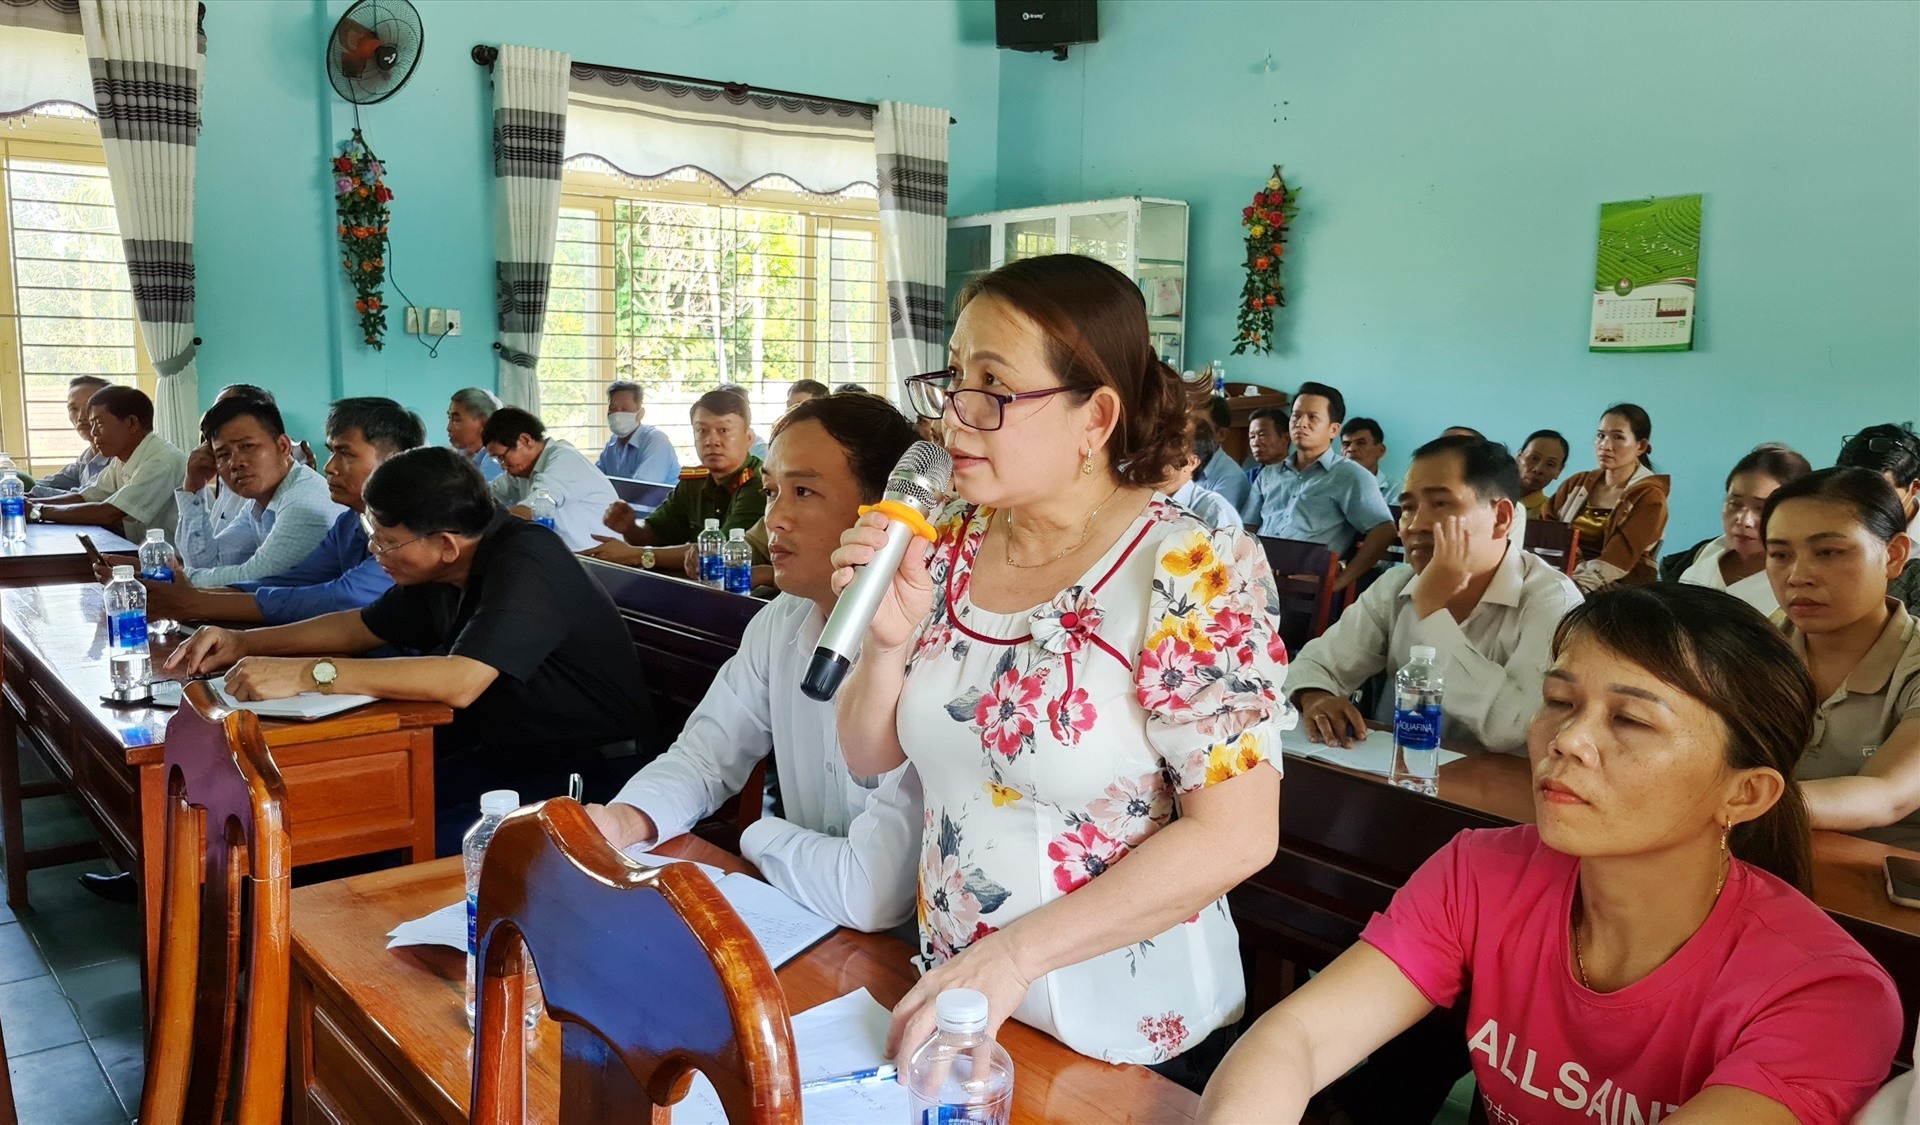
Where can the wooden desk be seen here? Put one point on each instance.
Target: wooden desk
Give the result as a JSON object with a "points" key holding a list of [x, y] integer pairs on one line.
{"points": [[381, 1035], [1349, 840], [52, 553], [357, 783]]}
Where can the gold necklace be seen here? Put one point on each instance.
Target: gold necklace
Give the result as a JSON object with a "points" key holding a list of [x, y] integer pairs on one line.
{"points": [[1086, 531], [1580, 962]]}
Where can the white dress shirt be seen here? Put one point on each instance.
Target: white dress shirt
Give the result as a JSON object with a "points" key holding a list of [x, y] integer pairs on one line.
{"points": [[581, 493], [1492, 664], [1754, 589], [848, 848], [141, 486], [1209, 505], [252, 543]]}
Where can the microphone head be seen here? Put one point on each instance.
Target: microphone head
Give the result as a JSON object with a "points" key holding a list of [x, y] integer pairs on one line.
{"points": [[920, 477]]}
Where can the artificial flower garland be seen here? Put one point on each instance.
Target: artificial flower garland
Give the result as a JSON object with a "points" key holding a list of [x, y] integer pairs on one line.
{"points": [[1265, 222], [361, 198]]}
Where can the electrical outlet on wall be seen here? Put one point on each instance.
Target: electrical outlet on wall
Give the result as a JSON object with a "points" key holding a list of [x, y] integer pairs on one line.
{"points": [[436, 322], [453, 322], [413, 321]]}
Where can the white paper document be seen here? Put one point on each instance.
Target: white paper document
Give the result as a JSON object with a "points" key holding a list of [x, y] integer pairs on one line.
{"points": [[1374, 754], [639, 854], [838, 1037], [306, 706], [783, 927]]}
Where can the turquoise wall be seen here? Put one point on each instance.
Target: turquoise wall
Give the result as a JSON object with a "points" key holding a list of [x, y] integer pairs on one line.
{"points": [[1454, 156], [273, 306]]}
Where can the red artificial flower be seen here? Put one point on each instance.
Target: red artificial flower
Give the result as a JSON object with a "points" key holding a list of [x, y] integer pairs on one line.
{"points": [[383, 194], [1259, 199], [374, 302], [1277, 249], [1246, 213], [1274, 218], [1262, 263], [1253, 303], [342, 164], [1272, 300], [359, 306]]}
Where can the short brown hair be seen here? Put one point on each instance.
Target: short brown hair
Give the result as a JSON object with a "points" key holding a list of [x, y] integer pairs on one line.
{"points": [[723, 402], [1095, 324]]}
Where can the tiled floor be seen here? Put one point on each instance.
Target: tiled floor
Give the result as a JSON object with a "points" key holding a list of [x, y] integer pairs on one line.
{"points": [[69, 986]]}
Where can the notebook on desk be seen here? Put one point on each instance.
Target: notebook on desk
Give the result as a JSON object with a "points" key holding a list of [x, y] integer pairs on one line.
{"points": [[1373, 754], [305, 707]]}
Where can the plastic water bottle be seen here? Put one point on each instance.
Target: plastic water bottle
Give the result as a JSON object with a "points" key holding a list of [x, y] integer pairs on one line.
{"points": [[156, 557], [712, 548], [494, 807], [128, 662], [13, 504], [541, 503], [946, 1081], [1219, 378], [739, 561], [1416, 722]]}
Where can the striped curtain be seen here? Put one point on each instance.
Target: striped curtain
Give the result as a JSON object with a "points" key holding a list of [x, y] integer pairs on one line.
{"points": [[529, 140], [910, 145], [147, 59]]}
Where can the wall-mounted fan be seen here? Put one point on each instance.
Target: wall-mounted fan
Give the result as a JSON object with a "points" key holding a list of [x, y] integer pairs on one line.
{"points": [[373, 50]]}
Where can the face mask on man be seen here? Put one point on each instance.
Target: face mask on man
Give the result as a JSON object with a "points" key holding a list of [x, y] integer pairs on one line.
{"points": [[623, 422]]}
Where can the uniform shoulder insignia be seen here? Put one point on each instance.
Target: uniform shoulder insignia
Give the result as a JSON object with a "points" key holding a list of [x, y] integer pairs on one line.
{"points": [[695, 473]]}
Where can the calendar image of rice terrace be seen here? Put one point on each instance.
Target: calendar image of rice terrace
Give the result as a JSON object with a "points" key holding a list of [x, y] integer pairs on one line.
{"points": [[1645, 241]]}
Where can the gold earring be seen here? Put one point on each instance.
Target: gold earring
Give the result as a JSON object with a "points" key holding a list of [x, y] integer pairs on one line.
{"points": [[1086, 463]]}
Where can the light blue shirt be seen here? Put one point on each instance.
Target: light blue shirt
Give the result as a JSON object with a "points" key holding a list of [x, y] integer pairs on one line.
{"points": [[1209, 505], [645, 454], [581, 493], [482, 460], [338, 574], [1332, 502], [256, 541], [1223, 475], [84, 470]]}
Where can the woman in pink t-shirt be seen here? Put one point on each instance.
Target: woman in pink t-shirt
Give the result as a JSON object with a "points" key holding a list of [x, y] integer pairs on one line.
{"points": [[1616, 961]]}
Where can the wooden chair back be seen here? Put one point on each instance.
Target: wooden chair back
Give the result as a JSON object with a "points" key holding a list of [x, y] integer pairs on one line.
{"points": [[217, 1047], [1553, 541], [1304, 573], [649, 971]]}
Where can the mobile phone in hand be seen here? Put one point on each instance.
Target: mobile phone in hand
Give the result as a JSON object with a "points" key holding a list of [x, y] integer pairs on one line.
{"points": [[93, 552], [1903, 880]]}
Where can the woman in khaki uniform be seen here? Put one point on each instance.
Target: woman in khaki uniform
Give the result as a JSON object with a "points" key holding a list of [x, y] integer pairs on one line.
{"points": [[1834, 540]]}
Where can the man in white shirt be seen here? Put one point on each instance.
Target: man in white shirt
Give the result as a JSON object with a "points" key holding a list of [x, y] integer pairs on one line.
{"points": [[1488, 607], [135, 491], [581, 493], [281, 508], [847, 846]]}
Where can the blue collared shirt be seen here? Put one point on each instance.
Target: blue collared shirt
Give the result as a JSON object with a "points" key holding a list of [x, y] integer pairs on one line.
{"points": [[338, 574], [1224, 475], [482, 460], [645, 454], [1332, 501]]}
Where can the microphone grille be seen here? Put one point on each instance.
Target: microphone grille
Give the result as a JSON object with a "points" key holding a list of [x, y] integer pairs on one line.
{"points": [[920, 476]]}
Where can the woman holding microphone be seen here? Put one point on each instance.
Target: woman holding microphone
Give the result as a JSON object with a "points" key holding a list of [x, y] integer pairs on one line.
{"points": [[1087, 678]]}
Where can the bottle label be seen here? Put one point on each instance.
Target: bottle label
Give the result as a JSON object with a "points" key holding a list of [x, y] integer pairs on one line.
{"points": [[473, 922], [713, 569], [127, 630], [160, 572], [546, 522], [13, 506], [1417, 728], [739, 580]]}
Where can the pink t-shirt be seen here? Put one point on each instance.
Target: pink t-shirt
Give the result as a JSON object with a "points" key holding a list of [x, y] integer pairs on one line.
{"points": [[1769, 995]]}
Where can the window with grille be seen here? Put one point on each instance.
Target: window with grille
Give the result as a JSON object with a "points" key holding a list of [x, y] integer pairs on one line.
{"points": [[679, 286], [66, 306]]}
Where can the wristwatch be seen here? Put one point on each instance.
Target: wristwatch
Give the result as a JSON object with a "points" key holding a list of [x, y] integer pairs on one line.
{"points": [[646, 558], [324, 673]]}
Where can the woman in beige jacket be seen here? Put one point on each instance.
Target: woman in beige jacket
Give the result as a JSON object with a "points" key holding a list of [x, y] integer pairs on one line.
{"points": [[1619, 510]]}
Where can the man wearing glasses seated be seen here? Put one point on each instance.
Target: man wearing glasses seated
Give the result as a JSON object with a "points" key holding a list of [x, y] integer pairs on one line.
{"points": [[528, 649]]}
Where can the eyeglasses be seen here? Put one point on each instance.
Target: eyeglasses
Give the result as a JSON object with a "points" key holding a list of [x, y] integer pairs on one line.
{"points": [[932, 395], [375, 549], [1905, 443]]}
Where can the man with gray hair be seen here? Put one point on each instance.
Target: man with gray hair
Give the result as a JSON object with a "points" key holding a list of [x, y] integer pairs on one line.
{"points": [[635, 451], [467, 415], [87, 467]]}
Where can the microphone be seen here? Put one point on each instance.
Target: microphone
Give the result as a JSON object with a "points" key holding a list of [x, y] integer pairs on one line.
{"points": [[914, 486]]}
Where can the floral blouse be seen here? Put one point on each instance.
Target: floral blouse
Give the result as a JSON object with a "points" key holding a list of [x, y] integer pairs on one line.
{"points": [[1052, 741]]}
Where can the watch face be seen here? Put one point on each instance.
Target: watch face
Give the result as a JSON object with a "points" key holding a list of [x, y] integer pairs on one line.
{"points": [[324, 672]]}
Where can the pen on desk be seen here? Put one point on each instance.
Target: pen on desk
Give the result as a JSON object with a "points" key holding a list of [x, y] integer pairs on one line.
{"points": [[575, 787], [885, 1072]]}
